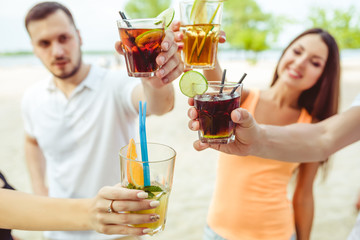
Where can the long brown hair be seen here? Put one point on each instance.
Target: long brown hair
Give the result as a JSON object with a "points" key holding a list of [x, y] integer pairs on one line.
{"points": [[322, 99]]}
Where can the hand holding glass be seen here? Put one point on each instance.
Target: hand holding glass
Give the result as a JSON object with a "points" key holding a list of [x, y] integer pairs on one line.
{"points": [[214, 109], [161, 161], [141, 43]]}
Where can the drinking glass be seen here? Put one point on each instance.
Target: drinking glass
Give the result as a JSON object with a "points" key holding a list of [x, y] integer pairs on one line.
{"points": [[141, 43], [161, 161], [214, 109], [201, 27]]}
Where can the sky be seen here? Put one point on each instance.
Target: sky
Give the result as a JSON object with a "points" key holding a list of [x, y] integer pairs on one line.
{"points": [[96, 19]]}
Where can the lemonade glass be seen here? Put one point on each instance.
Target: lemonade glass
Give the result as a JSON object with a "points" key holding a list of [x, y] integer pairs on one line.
{"points": [[200, 24], [161, 161]]}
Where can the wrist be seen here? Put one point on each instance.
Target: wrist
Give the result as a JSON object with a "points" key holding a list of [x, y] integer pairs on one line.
{"points": [[84, 220], [261, 140]]}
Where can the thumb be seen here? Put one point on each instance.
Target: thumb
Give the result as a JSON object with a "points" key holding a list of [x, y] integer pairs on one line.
{"points": [[242, 117]]}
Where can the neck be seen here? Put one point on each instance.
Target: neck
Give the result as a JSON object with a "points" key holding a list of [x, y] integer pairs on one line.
{"points": [[68, 85], [283, 96]]}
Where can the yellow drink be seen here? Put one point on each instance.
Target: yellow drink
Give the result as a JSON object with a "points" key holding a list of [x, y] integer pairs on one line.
{"points": [[161, 210], [200, 45], [161, 169]]}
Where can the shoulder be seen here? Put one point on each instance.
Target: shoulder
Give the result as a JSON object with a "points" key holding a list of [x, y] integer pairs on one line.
{"points": [[36, 89], [113, 75], [244, 94]]}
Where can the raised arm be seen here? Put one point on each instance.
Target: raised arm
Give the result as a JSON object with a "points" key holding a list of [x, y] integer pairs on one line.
{"points": [[292, 143], [158, 91], [309, 142]]}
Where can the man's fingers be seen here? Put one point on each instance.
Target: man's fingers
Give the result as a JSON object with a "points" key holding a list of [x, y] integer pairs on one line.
{"points": [[199, 146], [194, 125], [242, 117], [191, 101], [192, 113], [118, 47], [175, 26], [168, 40]]}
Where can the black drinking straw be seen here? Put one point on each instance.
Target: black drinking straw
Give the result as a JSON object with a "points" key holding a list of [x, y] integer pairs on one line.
{"points": [[222, 81], [240, 81], [122, 15]]}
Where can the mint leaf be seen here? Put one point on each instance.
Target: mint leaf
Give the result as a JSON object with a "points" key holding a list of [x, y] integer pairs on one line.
{"points": [[149, 189], [131, 186], [152, 189], [150, 195]]}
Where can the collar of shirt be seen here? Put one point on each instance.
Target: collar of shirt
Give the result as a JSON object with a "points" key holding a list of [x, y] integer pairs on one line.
{"points": [[89, 82]]}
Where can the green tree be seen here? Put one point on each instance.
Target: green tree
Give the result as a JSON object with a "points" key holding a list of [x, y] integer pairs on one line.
{"points": [[344, 25], [248, 28], [146, 8]]}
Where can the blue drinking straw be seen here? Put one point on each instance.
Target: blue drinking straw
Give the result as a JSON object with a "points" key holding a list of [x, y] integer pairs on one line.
{"points": [[143, 144]]}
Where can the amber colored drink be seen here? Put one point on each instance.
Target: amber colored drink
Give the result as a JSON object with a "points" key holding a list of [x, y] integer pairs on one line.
{"points": [[141, 47], [214, 112], [200, 45]]}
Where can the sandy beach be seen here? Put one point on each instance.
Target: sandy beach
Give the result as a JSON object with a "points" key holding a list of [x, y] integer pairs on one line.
{"points": [[195, 172]]}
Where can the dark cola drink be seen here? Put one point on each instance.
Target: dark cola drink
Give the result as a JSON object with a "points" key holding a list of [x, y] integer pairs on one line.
{"points": [[214, 110]]}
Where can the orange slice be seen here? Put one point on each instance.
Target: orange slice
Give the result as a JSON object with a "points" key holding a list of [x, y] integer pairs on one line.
{"points": [[135, 173], [153, 35]]}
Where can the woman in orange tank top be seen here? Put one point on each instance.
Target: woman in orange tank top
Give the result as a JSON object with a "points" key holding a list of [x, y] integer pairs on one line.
{"points": [[250, 200]]}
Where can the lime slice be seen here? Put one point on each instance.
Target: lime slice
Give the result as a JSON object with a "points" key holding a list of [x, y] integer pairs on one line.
{"points": [[149, 36], [193, 83], [198, 12], [167, 17]]}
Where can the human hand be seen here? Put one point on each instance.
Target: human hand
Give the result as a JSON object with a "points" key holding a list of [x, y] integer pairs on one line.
{"points": [[247, 132], [121, 200], [169, 59]]}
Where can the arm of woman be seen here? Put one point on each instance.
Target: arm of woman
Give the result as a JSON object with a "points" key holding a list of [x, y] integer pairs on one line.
{"points": [[24, 211], [303, 200]]}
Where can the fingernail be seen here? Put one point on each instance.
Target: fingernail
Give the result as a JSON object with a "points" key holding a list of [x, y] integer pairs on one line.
{"points": [[154, 218], [237, 116], [147, 230], [142, 195], [154, 203], [165, 80], [161, 71], [161, 60], [165, 45]]}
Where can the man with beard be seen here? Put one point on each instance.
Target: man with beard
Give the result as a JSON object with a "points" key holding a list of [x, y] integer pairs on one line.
{"points": [[77, 120]]}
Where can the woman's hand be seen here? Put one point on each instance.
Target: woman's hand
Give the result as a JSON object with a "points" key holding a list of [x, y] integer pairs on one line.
{"points": [[109, 211]]}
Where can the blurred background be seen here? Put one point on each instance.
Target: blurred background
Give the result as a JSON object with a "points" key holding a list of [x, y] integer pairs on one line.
{"points": [[257, 31], [254, 27]]}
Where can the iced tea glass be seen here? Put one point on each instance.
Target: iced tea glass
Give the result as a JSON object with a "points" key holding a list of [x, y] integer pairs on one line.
{"points": [[214, 109], [161, 161], [141, 43], [201, 33]]}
